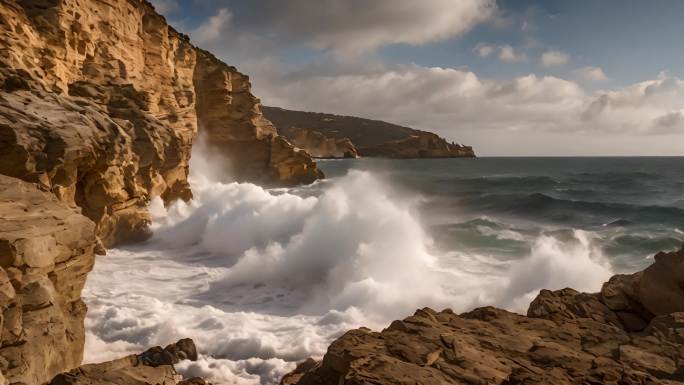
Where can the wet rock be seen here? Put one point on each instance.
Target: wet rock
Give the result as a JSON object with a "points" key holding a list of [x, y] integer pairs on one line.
{"points": [[152, 367]]}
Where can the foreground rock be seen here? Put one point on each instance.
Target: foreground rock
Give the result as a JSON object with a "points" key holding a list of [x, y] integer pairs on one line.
{"points": [[100, 102], [630, 333], [152, 367], [371, 138], [46, 250]]}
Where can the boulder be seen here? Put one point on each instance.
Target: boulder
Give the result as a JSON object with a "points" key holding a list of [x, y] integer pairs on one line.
{"points": [[630, 333], [100, 102], [152, 367]]}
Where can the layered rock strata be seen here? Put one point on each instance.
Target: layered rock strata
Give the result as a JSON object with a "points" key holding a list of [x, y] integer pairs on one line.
{"points": [[100, 102], [46, 250], [321, 146], [155, 366], [632, 332]]}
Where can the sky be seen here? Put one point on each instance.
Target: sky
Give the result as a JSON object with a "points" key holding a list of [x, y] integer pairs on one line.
{"points": [[509, 77]]}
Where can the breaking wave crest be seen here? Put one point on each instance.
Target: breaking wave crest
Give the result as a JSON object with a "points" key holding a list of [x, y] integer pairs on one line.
{"points": [[261, 279]]}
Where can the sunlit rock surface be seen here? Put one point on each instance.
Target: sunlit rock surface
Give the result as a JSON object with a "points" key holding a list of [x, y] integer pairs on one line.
{"points": [[630, 333], [373, 138], [100, 103], [46, 250]]}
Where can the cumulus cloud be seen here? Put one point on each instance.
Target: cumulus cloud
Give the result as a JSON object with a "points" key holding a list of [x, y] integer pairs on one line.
{"points": [[591, 73], [448, 100], [352, 27], [554, 58], [212, 29], [509, 55], [457, 103], [484, 50]]}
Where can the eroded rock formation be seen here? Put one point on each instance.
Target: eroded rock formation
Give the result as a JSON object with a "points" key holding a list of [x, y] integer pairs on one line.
{"points": [[373, 138], [46, 250], [100, 102], [319, 145], [632, 332], [155, 366]]}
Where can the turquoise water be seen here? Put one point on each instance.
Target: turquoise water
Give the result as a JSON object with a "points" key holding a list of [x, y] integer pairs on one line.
{"points": [[632, 207]]}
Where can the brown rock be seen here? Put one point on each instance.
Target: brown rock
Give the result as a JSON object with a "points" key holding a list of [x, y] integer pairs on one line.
{"points": [[567, 338], [319, 145], [100, 103], [47, 249], [661, 286], [372, 138], [152, 367]]}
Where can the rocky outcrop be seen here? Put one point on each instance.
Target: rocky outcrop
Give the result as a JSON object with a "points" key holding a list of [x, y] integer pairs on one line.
{"points": [[630, 333], [372, 138], [231, 118], [46, 250], [152, 367], [319, 145], [100, 102], [419, 145]]}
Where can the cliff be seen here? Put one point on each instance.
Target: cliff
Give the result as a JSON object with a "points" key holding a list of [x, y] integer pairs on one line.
{"points": [[319, 145], [101, 101], [154, 366], [372, 138], [632, 332], [46, 251]]}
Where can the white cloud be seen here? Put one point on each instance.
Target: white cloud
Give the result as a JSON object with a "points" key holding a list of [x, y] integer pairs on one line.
{"points": [[591, 73], [456, 103], [353, 27], [554, 58], [165, 7], [509, 55], [213, 28], [451, 100], [483, 50]]}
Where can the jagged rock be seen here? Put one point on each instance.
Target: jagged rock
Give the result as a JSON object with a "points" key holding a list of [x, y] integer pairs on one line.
{"points": [[100, 103], [194, 381], [373, 138], [46, 250], [152, 367], [567, 338], [419, 145], [319, 145]]}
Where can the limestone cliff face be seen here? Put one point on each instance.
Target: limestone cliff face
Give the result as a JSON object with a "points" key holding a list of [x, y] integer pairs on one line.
{"points": [[319, 145], [100, 103], [46, 250], [631, 333]]}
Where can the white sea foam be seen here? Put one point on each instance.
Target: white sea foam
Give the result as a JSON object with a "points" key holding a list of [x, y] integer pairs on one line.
{"points": [[261, 279]]}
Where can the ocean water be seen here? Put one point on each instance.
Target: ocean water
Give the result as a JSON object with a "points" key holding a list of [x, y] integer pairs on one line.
{"points": [[261, 279]]}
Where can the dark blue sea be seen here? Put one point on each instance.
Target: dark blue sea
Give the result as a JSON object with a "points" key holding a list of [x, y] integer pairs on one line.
{"points": [[632, 207]]}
